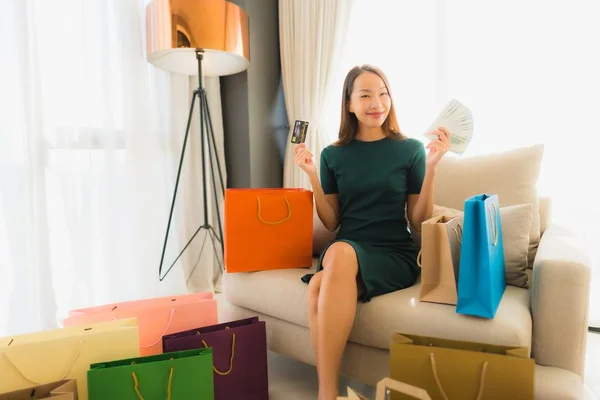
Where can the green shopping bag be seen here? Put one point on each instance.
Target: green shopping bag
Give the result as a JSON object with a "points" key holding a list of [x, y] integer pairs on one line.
{"points": [[179, 375]]}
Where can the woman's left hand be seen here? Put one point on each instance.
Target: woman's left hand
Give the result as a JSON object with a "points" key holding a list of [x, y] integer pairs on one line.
{"points": [[438, 147]]}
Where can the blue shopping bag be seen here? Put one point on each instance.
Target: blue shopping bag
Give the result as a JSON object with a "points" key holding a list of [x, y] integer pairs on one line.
{"points": [[481, 282]]}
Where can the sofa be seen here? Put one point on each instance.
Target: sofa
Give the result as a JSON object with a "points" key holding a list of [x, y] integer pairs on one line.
{"points": [[549, 317]]}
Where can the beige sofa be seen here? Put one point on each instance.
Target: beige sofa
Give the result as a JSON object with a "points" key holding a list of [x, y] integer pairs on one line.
{"points": [[550, 318]]}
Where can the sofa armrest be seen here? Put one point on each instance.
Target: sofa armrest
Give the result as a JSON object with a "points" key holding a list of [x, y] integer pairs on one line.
{"points": [[560, 291]]}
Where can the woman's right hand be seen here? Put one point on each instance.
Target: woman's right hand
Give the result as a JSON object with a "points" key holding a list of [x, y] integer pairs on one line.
{"points": [[304, 159]]}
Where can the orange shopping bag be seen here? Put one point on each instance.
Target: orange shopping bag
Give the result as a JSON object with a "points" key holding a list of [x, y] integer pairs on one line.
{"points": [[156, 317], [268, 229]]}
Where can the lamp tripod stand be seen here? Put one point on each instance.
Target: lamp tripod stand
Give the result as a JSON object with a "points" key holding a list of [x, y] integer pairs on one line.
{"points": [[206, 134]]}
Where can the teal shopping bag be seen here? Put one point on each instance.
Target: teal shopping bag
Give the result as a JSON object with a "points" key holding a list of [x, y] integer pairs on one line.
{"points": [[178, 375], [481, 282]]}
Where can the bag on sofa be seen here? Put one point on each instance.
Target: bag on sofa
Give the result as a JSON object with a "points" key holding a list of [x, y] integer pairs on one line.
{"points": [[268, 229], [439, 259], [156, 317], [482, 282], [449, 369], [239, 356]]}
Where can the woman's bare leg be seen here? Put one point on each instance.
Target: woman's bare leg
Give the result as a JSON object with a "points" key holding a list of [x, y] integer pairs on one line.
{"points": [[314, 287], [335, 315]]}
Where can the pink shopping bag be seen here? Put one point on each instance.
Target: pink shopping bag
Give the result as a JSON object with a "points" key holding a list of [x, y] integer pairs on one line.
{"points": [[156, 317]]}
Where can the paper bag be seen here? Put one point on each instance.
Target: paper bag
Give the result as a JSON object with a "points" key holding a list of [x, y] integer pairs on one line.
{"points": [[352, 395], [450, 370], [50, 356], [482, 281], [268, 229], [239, 356], [440, 259], [156, 317], [61, 390], [388, 384], [178, 375]]}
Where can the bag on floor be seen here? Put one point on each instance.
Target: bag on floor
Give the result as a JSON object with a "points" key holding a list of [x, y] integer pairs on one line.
{"points": [[268, 229], [50, 356], [156, 317], [439, 259], [388, 384], [178, 375], [61, 390], [482, 282], [239, 356], [449, 369]]}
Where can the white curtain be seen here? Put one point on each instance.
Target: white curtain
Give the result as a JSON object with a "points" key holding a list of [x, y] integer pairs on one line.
{"points": [[528, 70], [90, 137], [312, 35]]}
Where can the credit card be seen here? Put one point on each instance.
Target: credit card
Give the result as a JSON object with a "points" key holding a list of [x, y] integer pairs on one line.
{"points": [[299, 132]]}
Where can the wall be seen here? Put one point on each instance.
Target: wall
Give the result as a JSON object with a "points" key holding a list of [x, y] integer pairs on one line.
{"points": [[254, 117]]}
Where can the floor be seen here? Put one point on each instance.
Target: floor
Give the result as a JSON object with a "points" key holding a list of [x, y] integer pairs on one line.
{"points": [[293, 380]]}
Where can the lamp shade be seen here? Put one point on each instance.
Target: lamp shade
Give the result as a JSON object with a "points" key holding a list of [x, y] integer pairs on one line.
{"points": [[176, 28]]}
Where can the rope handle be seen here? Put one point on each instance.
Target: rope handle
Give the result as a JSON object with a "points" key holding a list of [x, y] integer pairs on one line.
{"points": [[230, 359], [439, 383], [457, 231], [164, 332], [136, 384], [64, 376], [493, 222], [275, 222]]}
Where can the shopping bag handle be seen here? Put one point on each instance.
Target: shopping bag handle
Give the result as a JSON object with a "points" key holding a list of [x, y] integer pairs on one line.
{"points": [[493, 222], [144, 346], [64, 376], [457, 231], [230, 358], [275, 222], [439, 383], [137, 389], [390, 384]]}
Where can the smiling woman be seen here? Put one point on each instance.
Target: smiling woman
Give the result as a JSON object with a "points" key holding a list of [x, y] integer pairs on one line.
{"points": [[370, 180]]}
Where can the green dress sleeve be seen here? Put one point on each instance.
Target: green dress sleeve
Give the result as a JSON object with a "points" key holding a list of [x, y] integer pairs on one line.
{"points": [[416, 173], [328, 182]]}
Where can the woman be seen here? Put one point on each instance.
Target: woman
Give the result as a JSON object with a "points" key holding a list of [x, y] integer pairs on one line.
{"points": [[372, 178]]}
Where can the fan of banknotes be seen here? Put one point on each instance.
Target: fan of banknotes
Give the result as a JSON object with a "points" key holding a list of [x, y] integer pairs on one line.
{"points": [[459, 121]]}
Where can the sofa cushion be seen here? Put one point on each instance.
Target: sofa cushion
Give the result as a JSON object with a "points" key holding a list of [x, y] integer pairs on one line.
{"points": [[512, 175], [282, 294]]}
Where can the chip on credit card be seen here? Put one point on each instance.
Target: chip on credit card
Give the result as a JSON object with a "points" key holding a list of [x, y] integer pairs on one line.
{"points": [[299, 132]]}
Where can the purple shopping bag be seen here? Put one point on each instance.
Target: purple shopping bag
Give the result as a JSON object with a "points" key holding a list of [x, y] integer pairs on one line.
{"points": [[239, 356]]}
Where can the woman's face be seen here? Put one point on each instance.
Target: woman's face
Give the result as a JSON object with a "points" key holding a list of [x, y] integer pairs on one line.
{"points": [[370, 100]]}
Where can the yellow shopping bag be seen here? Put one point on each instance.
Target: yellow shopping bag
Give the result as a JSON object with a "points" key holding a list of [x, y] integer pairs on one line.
{"points": [[456, 370], [50, 356]]}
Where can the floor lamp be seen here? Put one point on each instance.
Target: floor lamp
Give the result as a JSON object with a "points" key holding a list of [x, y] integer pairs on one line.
{"points": [[203, 38]]}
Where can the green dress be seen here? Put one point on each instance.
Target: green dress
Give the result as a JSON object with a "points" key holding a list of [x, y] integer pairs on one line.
{"points": [[373, 180]]}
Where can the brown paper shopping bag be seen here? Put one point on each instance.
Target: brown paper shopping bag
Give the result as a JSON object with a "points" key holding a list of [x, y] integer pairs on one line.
{"points": [[439, 258], [393, 386], [352, 395], [456, 370], [61, 390]]}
